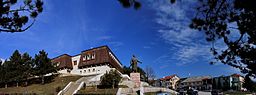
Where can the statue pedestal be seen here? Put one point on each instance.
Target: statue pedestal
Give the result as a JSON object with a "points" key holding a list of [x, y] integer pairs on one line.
{"points": [[135, 77]]}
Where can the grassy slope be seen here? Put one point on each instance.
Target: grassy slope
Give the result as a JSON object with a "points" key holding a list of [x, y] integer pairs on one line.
{"points": [[46, 89]]}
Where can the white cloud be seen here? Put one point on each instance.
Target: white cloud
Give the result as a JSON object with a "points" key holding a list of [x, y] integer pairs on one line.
{"points": [[187, 45], [104, 38], [146, 47], [191, 54], [116, 44]]}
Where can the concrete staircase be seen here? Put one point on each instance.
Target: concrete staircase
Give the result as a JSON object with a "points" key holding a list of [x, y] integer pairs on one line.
{"points": [[73, 86], [71, 89]]}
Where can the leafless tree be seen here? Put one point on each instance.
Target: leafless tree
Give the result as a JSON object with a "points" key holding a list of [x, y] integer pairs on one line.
{"points": [[150, 74]]}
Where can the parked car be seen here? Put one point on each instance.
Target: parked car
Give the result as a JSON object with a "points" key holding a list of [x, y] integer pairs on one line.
{"points": [[192, 92], [182, 92]]}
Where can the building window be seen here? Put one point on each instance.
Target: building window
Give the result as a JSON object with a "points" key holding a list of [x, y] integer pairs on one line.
{"points": [[75, 62], [93, 56], [88, 57], [84, 58], [89, 70], [58, 64], [84, 71], [93, 70], [68, 70]]}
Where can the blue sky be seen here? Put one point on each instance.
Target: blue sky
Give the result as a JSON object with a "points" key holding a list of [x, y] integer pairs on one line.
{"points": [[158, 34]]}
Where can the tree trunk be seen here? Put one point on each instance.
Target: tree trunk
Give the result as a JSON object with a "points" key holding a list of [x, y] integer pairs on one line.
{"points": [[26, 83], [43, 79], [17, 84], [6, 85]]}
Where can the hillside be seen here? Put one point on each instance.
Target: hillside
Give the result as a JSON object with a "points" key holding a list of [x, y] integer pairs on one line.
{"points": [[46, 89]]}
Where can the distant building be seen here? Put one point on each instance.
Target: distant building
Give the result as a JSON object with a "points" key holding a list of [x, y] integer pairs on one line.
{"points": [[95, 61], [207, 84], [170, 81], [199, 83], [232, 82], [157, 83]]}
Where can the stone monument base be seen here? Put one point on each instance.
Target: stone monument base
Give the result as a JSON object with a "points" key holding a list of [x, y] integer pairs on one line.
{"points": [[135, 77]]}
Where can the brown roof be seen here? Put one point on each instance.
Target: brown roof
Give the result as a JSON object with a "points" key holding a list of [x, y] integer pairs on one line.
{"points": [[64, 61], [101, 56]]}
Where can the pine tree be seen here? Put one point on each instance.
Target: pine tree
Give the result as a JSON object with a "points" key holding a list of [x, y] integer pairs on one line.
{"points": [[249, 84], [13, 68], [110, 79], [19, 15], [4, 73], [43, 65], [27, 65]]}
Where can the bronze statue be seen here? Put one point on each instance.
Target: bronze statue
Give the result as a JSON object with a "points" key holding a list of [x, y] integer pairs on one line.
{"points": [[133, 63]]}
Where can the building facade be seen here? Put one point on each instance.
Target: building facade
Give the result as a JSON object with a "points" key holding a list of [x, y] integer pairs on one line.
{"points": [[170, 81], [95, 61], [232, 82], [198, 83]]}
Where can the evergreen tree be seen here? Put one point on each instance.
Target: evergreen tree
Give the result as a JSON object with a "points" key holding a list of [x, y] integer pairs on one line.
{"points": [[231, 22], [127, 70], [18, 15], [43, 65], [110, 79], [13, 68], [4, 76], [27, 66], [143, 76], [249, 84]]}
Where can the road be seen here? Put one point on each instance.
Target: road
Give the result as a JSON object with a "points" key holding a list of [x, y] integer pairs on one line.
{"points": [[204, 93]]}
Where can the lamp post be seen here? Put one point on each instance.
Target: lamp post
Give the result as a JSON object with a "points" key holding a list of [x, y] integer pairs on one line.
{"points": [[113, 83], [62, 84]]}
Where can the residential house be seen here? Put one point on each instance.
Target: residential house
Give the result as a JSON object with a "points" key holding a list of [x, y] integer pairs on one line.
{"points": [[170, 81], [198, 82], [232, 82]]}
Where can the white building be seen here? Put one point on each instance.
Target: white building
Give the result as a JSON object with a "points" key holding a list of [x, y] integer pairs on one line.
{"points": [[95, 61]]}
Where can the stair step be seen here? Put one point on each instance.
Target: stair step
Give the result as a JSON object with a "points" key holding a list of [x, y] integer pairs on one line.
{"points": [[73, 86]]}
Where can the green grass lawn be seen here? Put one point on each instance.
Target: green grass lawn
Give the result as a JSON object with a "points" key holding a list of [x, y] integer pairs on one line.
{"points": [[39, 89]]}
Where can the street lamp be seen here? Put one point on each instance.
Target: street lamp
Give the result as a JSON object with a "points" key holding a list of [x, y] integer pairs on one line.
{"points": [[62, 84], [113, 82]]}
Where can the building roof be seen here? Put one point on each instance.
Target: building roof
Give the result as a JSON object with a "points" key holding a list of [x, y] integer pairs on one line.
{"points": [[168, 77], [63, 61], [100, 47], [197, 78], [235, 75], [60, 56], [103, 55]]}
